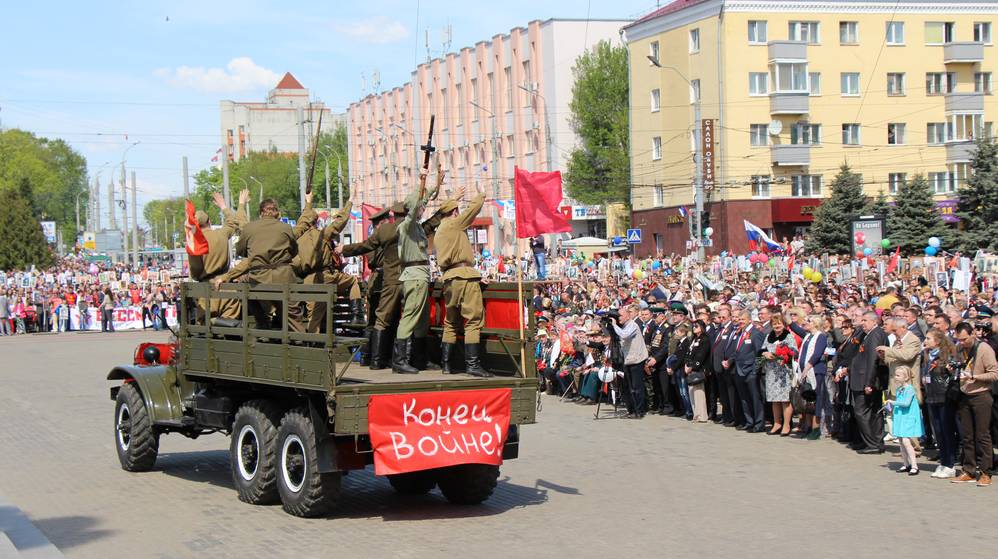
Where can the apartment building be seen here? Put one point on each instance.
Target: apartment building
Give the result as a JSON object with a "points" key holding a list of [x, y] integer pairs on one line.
{"points": [[793, 89]]}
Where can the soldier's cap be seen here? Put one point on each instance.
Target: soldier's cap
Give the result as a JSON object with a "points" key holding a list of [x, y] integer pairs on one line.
{"points": [[380, 214], [447, 207], [201, 216], [657, 309], [398, 208], [542, 332], [678, 307]]}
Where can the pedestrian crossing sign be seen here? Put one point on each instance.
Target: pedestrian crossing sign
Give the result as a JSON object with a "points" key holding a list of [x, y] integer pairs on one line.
{"points": [[633, 236]]}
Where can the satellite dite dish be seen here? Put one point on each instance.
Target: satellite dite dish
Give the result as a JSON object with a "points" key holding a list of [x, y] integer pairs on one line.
{"points": [[775, 127]]}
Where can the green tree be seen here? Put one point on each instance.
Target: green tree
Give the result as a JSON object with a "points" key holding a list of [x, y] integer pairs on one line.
{"points": [[915, 218], [830, 230], [977, 205], [879, 206], [598, 171], [165, 217], [22, 243]]}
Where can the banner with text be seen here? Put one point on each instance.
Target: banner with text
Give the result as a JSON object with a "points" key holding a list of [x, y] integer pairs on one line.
{"points": [[420, 431]]}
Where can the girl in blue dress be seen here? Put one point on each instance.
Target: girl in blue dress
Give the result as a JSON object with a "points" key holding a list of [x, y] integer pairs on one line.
{"points": [[907, 419]]}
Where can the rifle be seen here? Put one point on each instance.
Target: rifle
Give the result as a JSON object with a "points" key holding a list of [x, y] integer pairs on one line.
{"points": [[315, 148], [427, 149]]}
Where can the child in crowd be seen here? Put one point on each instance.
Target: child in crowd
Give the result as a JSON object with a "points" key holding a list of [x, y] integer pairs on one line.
{"points": [[907, 419]]}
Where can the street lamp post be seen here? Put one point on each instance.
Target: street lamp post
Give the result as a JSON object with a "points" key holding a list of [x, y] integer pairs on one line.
{"points": [[696, 231], [124, 200], [254, 179], [495, 178]]}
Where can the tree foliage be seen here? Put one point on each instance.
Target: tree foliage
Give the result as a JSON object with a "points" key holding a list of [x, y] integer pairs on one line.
{"points": [[977, 205], [56, 173], [830, 230], [598, 170], [22, 243], [165, 217], [915, 218], [880, 207]]}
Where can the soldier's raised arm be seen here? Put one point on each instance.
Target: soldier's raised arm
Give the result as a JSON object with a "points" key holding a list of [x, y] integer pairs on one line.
{"points": [[467, 217], [339, 221], [307, 219]]}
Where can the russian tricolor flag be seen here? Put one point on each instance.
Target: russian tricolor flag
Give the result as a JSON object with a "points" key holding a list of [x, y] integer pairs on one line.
{"points": [[682, 211], [759, 240]]}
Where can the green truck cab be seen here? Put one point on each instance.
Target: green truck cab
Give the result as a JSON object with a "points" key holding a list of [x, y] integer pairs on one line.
{"points": [[295, 405]]}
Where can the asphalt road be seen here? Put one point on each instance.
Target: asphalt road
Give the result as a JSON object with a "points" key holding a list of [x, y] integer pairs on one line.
{"points": [[660, 487]]}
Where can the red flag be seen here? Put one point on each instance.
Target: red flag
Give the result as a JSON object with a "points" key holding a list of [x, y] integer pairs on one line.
{"points": [[537, 198], [197, 245], [895, 260]]}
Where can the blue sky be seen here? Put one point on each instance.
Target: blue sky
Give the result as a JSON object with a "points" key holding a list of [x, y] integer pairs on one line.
{"points": [[93, 72]]}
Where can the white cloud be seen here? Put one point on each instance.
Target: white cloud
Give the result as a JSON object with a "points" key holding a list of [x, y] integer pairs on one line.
{"points": [[239, 75], [377, 30]]}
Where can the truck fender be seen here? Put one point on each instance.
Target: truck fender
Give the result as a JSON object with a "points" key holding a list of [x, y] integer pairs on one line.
{"points": [[159, 391]]}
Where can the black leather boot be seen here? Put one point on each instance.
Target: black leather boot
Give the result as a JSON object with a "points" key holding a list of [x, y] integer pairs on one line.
{"points": [[365, 350], [401, 356], [445, 352], [473, 361], [420, 357], [357, 307], [379, 339]]}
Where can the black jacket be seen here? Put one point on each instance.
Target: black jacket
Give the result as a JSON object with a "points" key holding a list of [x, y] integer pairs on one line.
{"points": [[697, 354], [866, 367]]}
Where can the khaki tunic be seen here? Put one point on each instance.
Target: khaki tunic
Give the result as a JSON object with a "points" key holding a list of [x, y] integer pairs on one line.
{"points": [[415, 260], [216, 261], [330, 273], [385, 239], [462, 287]]}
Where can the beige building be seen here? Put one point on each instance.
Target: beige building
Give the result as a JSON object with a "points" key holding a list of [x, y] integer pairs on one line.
{"points": [[795, 88]]}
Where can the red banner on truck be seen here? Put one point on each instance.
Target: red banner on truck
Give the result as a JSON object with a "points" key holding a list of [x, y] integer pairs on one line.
{"points": [[424, 430]]}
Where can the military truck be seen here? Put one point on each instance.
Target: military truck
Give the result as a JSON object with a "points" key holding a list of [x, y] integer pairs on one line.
{"points": [[295, 405]]}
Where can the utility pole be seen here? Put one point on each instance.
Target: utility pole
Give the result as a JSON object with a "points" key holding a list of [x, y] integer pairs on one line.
{"points": [[97, 201], [124, 222], [78, 213], [187, 184], [135, 225], [497, 238], [339, 180], [301, 155], [111, 222], [225, 175], [329, 202]]}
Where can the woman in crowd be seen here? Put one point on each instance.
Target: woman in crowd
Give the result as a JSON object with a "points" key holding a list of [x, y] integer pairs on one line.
{"points": [[847, 349], [941, 391], [679, 370], [777, 354], [107, 311], [813, 364], [695, 363]]}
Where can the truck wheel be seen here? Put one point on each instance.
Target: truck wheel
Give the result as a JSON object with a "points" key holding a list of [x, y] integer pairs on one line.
{"points": [[468, 484], [134, 437], [414, 483], [253, 452], [304, 491]]}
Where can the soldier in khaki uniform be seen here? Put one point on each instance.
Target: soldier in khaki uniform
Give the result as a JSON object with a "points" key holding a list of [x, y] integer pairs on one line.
{"points": [[462, 287], [385, 240], [374, 262], [331, 273], [216, 262], [269, 247]]}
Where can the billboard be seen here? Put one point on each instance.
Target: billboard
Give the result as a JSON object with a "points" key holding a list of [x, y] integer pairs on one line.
{"points": [[89, 240], [48, 229], [866, 233]]}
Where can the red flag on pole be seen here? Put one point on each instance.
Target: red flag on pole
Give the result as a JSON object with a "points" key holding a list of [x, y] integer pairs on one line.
{"points": [[895, 260], [537, 196], [197, 245]]}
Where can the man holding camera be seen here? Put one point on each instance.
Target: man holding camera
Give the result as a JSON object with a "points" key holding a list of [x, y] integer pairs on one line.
{"points": [[632, 346]]}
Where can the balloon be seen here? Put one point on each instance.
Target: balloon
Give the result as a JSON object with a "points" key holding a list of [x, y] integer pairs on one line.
{"points": [[867, 251], [931, 250], [934, 242], [860, 237], [859, 255], [589, 263], [886, 243], [816, 277], [870, 260], [808, 271], [639, 275], [772, 263], [763, 258], [656, 265], [708, 231], [752, 258], [486, 253]]}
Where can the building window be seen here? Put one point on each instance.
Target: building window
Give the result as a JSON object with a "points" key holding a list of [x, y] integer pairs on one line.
{"points": [[653, 50], [989, 130], [848, 32], [757, 32], [656, 148], [789, 77], [445, 100], [850, 84], [938, 83], [982, 32], [474, 99], [460, 104], [895, 83], [656, 100], [659, 194], [940, 183], [964, 127], [850, 134], [694, 91], [895, 181], [758, 83], [935, 133], [895, 133], [760, 186], [938, 32], [814, 81], [528, 84], [760, 134], [804, 31], [982, 83], [508, 76], [805, 133], [694, 41], [805, 186], [895, 32]]}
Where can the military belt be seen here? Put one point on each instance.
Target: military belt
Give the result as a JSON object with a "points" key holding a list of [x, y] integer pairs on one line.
{"points": [[272, 266], [454, 266], [416, 263]]}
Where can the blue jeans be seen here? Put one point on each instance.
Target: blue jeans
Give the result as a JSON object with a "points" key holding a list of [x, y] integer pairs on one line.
{"points": [[943, 418], [684, 392], [542, 271]]}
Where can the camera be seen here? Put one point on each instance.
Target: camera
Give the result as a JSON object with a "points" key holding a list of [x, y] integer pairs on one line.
{"points": [[954, 364]]}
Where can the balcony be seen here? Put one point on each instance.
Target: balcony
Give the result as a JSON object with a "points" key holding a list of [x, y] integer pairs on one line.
{"points": [[787, 50], [788, 103], [963, 53], [791, 154], [959, 152], [964, 102]]}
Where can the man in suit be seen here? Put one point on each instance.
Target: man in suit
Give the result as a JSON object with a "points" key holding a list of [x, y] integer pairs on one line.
{"points": [[746, 347], [726, 347], [912, 316], [655, 342], [867, 388]]}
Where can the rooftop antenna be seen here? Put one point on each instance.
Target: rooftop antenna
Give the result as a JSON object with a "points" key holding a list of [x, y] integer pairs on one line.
{"points": [[447, 36], [427, 40], [363, 85], [376, 81]]}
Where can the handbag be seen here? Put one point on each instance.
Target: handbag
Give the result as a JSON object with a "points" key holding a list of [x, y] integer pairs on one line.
{"points": [[696, 378]]}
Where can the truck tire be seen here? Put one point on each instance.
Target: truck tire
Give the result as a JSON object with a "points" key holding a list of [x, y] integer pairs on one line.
{"points": [[304, 491], [468, 484], [253, 452], [414, 483], [135, 438]]}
